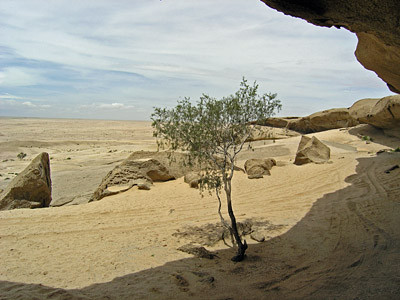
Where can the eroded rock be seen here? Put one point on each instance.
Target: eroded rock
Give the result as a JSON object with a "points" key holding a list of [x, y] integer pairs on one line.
{"points": [[311, 150], [132, 172], [362, 108], [257, 168], [319, 121], [193, 179], [31, 188], [385, 113], [381, 113]]}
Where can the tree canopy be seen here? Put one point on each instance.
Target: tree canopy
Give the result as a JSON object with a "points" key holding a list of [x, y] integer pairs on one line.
{"points": [[212, 132]]}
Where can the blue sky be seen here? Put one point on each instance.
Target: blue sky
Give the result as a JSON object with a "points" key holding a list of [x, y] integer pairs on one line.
{"points": [[108, 59]]}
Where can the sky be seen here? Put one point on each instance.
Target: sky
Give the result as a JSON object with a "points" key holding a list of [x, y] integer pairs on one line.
{"points": [[103, 59]]}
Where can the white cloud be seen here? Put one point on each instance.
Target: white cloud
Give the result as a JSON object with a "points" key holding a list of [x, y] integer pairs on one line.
{"points": [[19, 76], [178, 48], [29, 104], [107, 106], [7, 100], [8, 96]]}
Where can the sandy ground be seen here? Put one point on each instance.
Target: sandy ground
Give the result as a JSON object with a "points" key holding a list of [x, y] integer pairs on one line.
{"points": [[82, 152], [336, 237]]}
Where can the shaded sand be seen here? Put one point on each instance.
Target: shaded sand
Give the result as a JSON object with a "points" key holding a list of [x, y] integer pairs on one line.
{"points": [[338, 235]]}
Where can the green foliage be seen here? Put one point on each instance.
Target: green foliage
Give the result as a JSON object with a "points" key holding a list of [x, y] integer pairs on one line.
{"points": [[213, 131], [21, 155], [397, 149], [366, 138]]}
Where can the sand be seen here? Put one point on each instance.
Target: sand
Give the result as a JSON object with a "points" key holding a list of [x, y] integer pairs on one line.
{"points": [[335, 232]]}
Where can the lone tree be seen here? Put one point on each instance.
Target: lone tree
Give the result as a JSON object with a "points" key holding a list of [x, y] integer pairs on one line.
{"points": [[212, 133]]}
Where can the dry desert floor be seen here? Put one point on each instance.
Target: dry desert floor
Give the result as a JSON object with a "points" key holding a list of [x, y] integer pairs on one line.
{"points": [[333, 229]]}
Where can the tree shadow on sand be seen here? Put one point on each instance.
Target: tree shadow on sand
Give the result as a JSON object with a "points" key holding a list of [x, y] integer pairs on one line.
{"points": [[346, 247]]}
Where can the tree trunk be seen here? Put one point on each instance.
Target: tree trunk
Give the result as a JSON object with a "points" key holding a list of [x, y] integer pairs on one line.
{"points": [[241, 246]]}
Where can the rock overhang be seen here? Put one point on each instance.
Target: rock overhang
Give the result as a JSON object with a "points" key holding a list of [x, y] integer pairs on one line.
{"points": [[376, 24]]}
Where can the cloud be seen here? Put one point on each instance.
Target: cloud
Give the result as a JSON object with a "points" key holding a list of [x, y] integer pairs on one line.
{"points": [[12, 101], [9, 97], [107, 106], [19, 76], [28, 104], [159, 51]]}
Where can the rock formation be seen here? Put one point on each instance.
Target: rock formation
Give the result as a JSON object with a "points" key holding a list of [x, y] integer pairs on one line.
{"points": [[385, 113], [376, 24], [257, 168], [361, 109], [319, 121], [311, 150], [381, 113], [31, 188], [132, 172]]}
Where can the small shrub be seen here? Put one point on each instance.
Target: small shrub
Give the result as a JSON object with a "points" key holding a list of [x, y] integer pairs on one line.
{"points": [[21, 155], [366, 138]]}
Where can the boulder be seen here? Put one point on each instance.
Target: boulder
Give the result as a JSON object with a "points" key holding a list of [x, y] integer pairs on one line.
{"points": [[144, 186], [31, 188], [361, 109], [385, 113], [132, 172], [325, 120], [311, 150], [374, 22], [193, 179], [257, 168]]}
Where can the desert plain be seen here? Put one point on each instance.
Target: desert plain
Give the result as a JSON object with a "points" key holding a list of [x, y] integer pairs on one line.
{"points": [[331, 230]]}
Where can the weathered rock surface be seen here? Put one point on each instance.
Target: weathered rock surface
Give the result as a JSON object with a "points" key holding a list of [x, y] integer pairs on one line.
{"points": [[193, 179], [31, 188], [257, 168], [319, 121], [376, 24], [141, 169], [381, 113], [385, 113], [311, 150], [362, 108], [132, 172]]}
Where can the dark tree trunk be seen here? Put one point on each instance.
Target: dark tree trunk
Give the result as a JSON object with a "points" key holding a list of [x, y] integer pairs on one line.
{"points": [[241, 246]]}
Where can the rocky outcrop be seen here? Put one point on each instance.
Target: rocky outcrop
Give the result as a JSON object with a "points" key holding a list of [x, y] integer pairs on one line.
{"points": [[31, 188], [132, 172], [319, 121], [362, 108], [385, 113], [311, 150], [141, 169], [381, 113], [376, 24], [257, 168], [374, 54]]}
